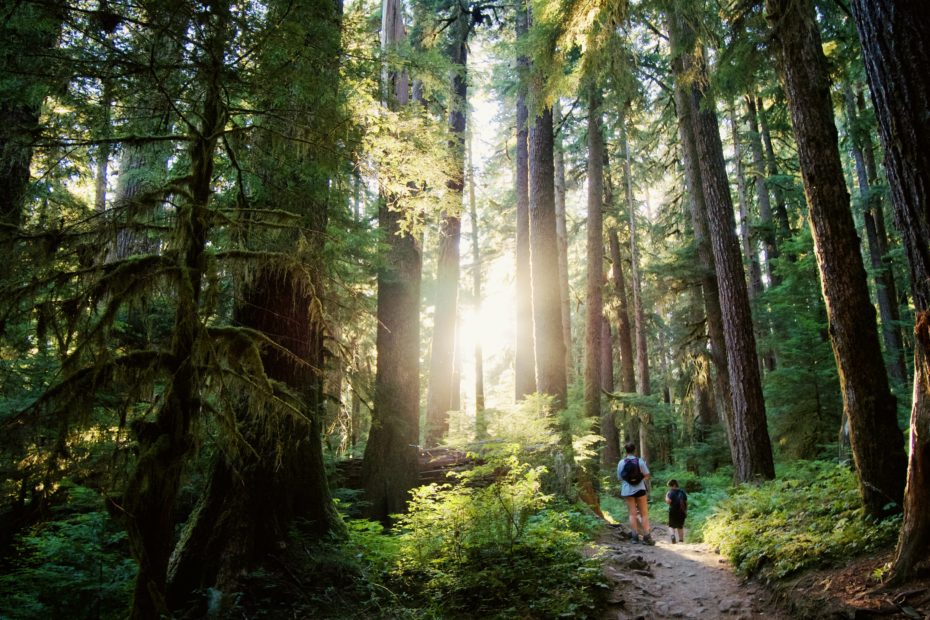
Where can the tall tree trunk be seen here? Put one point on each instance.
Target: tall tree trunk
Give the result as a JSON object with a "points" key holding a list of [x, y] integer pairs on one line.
{"points": [[525, 352], [390, 465], [766, 224], [594, 307], [781, 208], [897, 61], [639, 320], [749, 439], [101, 166], [698, 211], [561, 232], [476, 295], [749, 253], [547, 305], [607, 356], [624, 331], [885, 290], [29, 34], [442, 392], [611, 453], [876, 440]]}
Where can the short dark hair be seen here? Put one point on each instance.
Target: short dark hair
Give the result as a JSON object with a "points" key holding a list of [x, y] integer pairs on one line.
{"points": [[630, 447], [673, 483]]}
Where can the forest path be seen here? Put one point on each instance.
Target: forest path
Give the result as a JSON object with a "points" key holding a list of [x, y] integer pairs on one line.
{"points": [[676, 581]]}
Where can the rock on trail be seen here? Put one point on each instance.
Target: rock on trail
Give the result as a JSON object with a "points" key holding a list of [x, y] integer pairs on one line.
{"points": [[677, 581]]}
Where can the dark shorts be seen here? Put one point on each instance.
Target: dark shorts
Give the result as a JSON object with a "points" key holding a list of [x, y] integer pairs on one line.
{"points": [[676, 520], [639, 493]]}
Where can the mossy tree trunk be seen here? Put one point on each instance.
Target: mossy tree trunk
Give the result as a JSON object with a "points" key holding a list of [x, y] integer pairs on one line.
{"points": [[163, 444]]}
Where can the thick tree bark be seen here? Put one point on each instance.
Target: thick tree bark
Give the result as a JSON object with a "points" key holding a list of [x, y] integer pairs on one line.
{"points": [[442, 392], [698, 211], [885, 290], [390, 463], [624, 331], [749, 442], [876, 440], [897, 61], [561, 232], [547, 305], [525, 352]]}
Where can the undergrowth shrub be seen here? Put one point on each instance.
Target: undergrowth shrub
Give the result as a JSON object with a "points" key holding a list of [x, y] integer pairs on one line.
{"points": [[497, 551], [76, 565], [490, 546], [811, 516]]}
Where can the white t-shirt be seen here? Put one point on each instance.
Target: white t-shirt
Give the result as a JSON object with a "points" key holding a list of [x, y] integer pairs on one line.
{"points": [[626, 488]]}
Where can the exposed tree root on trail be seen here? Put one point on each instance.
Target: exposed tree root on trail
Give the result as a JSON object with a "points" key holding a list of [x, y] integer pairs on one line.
{"points": [[681, 580]]}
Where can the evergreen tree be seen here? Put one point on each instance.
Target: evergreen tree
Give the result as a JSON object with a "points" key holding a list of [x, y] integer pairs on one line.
{"points": [[897, 62], [876, 440]]}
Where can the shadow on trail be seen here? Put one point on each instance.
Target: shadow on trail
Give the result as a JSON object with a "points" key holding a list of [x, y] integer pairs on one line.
{"points": [[676, 581]]}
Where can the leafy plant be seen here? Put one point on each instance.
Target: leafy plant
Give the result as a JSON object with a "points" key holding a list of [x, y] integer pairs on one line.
{"points": [[77, 566], [811, 516]]}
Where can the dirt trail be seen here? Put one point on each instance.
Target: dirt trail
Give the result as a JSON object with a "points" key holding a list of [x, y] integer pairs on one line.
{"points": [[677, 581]]}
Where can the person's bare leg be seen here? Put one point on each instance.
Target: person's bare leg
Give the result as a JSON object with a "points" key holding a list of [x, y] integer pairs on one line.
{"points": [[642, 504], [632, 509]]}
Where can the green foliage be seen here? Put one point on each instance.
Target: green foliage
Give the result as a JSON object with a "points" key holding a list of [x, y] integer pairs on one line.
{"points": [[496, 551], [811, 516], [76, 566], [492, 546], [802, 394]]}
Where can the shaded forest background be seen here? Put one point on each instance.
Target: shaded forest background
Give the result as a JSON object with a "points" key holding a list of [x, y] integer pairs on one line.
{"points": [[271, 269]]}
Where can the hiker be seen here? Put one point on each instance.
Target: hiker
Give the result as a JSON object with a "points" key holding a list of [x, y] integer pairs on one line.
{"points": [[677, 501], [633, 473]]}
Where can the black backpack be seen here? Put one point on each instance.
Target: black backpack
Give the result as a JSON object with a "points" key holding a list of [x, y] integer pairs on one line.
{"points": [[631, 471]]}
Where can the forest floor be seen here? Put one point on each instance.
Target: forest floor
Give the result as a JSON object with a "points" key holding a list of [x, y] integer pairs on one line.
{"points": [[692, 581], [681, 580]]}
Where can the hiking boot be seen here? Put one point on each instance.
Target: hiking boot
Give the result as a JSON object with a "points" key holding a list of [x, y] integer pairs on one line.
{"points": [[673, 539], [647, 540], [634, 538]]}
